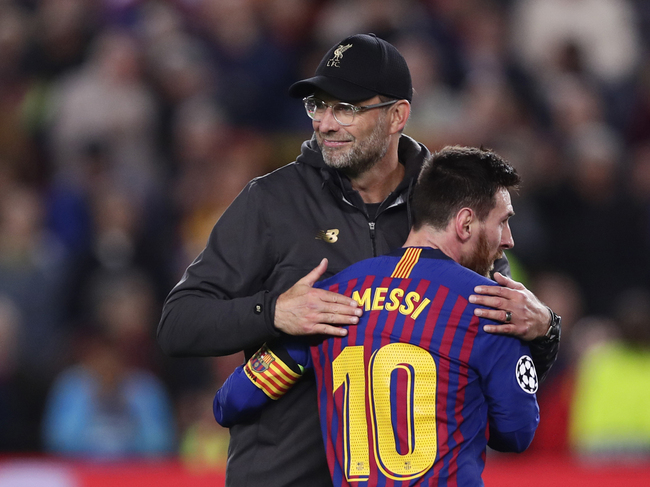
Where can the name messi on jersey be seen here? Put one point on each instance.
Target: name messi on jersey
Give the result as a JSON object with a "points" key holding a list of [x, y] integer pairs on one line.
{"points": [[379, 299]]}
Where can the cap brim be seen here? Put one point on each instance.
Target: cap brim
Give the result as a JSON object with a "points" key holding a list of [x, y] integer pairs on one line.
{"points": [[339, 89]]}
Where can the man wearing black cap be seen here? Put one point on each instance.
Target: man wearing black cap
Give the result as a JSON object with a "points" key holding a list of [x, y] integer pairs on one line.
{"points": [[345, 198]]}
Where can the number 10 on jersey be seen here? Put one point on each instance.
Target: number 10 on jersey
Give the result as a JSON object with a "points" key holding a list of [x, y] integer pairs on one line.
{"points": [[375, 387]]}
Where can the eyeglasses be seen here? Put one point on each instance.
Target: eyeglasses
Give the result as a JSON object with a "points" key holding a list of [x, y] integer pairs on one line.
{"points": [[343, 112]]}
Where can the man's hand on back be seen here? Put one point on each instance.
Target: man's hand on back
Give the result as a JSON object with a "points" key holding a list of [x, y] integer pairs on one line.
{"points": [[305, 310], [529, 318]]}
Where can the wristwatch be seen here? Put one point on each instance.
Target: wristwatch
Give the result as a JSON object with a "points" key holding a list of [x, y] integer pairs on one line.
{"points": [[554, 328]]}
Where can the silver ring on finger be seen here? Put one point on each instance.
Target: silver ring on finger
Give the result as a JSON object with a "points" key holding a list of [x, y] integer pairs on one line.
{"points": [[508, 316]]}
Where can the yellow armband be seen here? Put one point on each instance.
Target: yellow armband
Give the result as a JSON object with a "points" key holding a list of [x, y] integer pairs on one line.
{"points": [[268, 372]]}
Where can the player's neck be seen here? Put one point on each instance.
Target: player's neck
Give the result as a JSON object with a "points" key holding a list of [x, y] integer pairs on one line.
{"points": [[428, 237]]}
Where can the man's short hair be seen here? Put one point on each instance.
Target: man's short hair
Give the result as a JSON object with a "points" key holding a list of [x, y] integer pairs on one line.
{"points": [[459, 177]]}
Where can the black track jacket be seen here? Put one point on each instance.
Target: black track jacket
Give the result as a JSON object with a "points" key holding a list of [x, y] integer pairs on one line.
{"points": [[273, 234]]}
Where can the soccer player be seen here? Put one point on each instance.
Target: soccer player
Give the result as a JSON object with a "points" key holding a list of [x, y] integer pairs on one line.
{"points": [[414, 393]]}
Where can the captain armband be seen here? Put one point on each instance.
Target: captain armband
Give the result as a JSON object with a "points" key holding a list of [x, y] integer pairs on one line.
{"points": [[269, 373]]}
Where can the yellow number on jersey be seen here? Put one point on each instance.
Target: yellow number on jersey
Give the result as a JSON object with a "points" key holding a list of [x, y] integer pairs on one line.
{"points": [[349, 370]]}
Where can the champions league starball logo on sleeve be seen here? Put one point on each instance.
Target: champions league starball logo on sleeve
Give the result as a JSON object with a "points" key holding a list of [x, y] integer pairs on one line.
{"points": [[526, 374]]}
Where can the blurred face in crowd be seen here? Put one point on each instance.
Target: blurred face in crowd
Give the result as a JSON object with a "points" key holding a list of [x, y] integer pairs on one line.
{"points": [[354, 148], [493, 237]]}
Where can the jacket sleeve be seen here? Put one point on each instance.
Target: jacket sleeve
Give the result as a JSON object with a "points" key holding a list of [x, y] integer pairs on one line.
{"points": [[266, 377], [543, 351], [221, 306]]}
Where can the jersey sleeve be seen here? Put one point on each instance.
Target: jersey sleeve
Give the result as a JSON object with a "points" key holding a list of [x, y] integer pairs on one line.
{"points": [[510, 384], [267, 376], [542, 351]]}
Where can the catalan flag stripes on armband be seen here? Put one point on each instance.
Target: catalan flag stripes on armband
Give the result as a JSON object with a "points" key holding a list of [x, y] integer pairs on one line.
{"points": [[268, 372]]}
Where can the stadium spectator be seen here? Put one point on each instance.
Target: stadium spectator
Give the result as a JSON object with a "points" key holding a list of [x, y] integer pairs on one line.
{"points": [[103, 409], [111, 403], [612, 375]]}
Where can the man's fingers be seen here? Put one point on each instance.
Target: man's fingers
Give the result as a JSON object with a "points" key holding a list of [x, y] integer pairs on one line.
{"points": [[330, 330], [521, 331], [306, 310], [323, 295], [491, 291], [507, 282], [311, 278], [529, 318], [501, 329], [490, 301], [492, 314], [339, 316], [344, 301]]}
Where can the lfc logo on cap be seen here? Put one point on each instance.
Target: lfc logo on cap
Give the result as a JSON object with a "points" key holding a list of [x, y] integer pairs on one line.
{"points": [[338, 54]]}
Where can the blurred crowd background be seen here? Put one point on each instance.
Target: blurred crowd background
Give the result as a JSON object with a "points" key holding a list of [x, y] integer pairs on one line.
{"points": [[128, 126]]}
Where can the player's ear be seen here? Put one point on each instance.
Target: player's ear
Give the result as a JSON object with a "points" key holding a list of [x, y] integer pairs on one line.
{"points": [[464, 223]]}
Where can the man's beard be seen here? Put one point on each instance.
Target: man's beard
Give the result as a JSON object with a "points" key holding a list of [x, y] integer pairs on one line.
{"points": [[363, 155], [482, 260]]}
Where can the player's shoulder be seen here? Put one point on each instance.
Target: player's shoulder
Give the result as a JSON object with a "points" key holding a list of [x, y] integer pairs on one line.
{"points": [[359, 270], [454, 276]]}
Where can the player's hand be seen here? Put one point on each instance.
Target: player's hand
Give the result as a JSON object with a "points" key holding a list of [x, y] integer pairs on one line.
{"points": [[529, 318], [305, 310]]}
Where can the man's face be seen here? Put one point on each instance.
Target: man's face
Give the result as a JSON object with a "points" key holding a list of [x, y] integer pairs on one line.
{"points": [[493, 238], [354, 148]]}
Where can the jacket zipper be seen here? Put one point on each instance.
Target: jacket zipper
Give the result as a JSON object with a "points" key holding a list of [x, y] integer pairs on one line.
{"points": [[372, 238]]}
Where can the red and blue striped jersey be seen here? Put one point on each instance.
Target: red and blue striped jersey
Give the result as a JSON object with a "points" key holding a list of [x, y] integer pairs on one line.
{"points": [[407, 396]]}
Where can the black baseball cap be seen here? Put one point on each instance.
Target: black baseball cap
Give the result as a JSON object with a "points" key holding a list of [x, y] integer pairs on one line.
{"points": [[358, 68]]}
